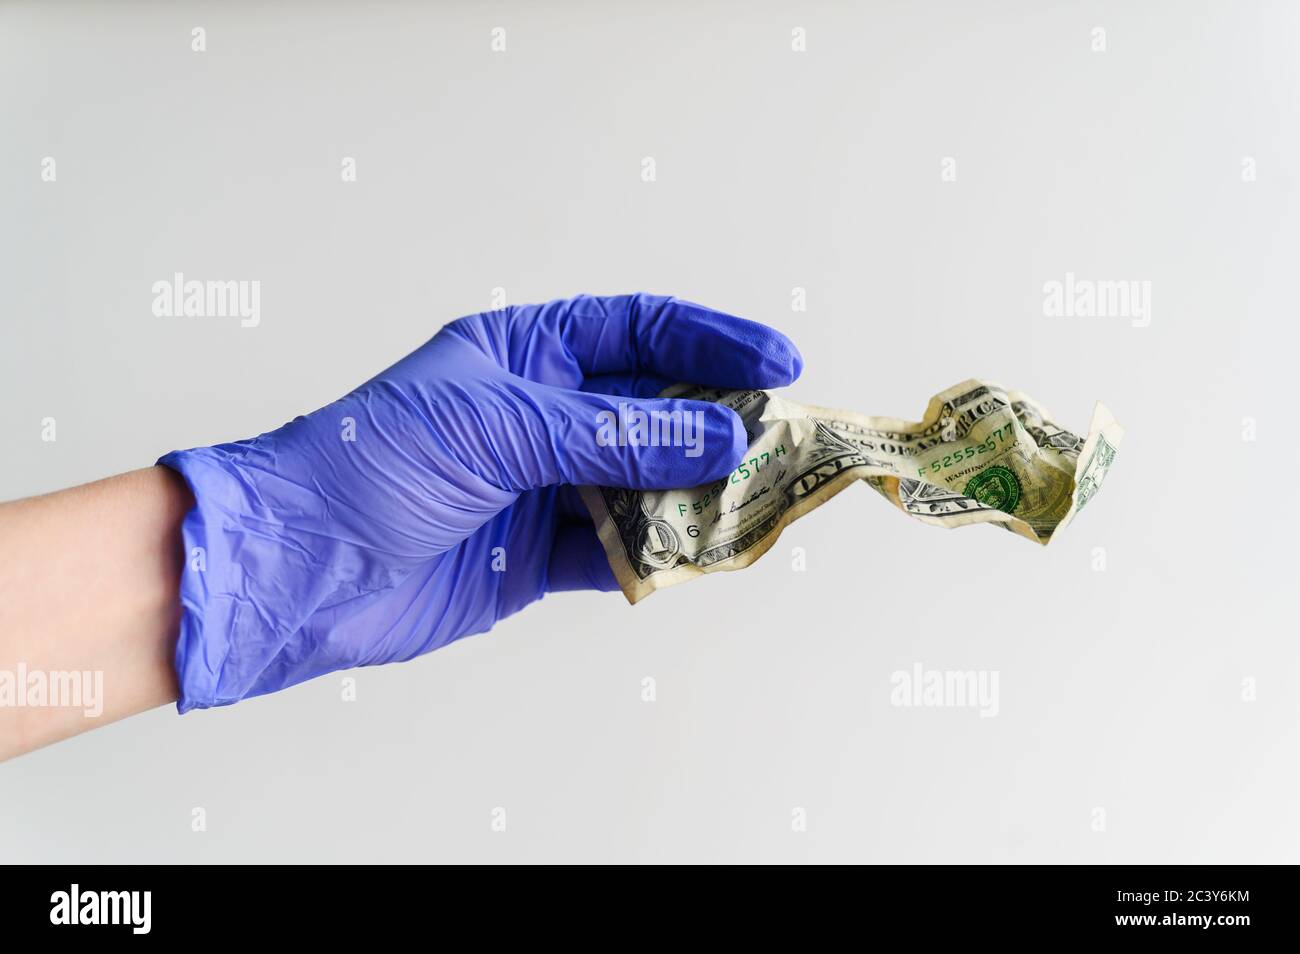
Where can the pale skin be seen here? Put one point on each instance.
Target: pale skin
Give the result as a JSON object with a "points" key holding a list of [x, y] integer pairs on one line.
{"points": [[89, 581]]}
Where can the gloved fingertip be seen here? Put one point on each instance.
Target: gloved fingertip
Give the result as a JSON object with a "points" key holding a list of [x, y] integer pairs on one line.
{"points": [[792, 364], [781, 364], [796, 363]]}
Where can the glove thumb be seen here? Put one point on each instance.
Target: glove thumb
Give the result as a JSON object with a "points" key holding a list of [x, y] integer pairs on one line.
{"points": [[639, 443]]}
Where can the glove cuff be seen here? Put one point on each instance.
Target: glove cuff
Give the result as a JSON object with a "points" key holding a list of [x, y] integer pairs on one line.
{"points": [[236, 611]]}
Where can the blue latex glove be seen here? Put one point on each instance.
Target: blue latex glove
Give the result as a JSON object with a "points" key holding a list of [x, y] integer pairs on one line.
{"points": [[453, 503]]}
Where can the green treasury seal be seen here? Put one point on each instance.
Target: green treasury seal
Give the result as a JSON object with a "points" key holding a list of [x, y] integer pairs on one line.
{"points": [[995, 487]]}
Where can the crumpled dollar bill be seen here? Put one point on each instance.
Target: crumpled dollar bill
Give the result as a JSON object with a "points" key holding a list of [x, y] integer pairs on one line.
{"points": [[980, 454]]}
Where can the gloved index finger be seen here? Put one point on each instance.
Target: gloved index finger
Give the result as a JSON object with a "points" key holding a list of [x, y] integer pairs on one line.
{"points": [[669, 337]]}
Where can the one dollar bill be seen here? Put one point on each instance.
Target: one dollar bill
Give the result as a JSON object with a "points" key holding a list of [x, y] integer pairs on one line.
{"points": [[980, 454]]}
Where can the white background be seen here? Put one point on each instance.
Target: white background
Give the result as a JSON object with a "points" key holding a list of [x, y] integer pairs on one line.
{"points": [[1120, 690]]}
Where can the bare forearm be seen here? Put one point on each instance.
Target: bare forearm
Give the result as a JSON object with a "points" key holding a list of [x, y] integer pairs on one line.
{"points": [[88, 599]]}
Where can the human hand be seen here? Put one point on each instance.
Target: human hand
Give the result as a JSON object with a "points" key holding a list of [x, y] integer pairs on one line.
{"points": [[439, 497]]}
